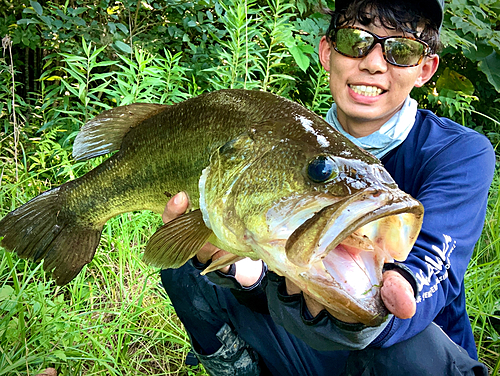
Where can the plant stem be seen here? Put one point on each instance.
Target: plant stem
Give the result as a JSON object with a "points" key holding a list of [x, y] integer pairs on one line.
{"points": [[7, 44]]}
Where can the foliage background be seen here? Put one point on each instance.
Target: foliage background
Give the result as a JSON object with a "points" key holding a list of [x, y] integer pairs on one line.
{"points": [[64, 61]]}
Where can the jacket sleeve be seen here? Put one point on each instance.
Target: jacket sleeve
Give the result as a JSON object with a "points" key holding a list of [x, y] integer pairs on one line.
{"points": [[453, 187]]}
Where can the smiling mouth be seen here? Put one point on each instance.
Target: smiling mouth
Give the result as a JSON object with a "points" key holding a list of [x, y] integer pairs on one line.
{"points": [[368, 91]]}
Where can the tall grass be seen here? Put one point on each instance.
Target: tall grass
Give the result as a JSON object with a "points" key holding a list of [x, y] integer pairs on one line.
{"points": [[482, 284], [114, 319]]}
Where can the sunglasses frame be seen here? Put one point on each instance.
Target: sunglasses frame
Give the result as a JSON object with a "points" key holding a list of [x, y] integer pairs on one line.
{"points": [[381, 41]]}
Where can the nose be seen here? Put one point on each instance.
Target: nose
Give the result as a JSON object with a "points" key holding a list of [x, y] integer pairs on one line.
{"points": [[374, 62]]}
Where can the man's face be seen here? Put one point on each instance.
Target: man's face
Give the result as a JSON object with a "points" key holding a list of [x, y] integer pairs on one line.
{"points": [[368, 91]]}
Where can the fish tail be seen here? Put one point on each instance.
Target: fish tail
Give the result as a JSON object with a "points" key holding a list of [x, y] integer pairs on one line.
{"points": [[43, 229]]}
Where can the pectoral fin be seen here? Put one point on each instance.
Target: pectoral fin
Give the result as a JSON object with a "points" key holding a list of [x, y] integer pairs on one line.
{"points": [[221, 262], [177, 241]]}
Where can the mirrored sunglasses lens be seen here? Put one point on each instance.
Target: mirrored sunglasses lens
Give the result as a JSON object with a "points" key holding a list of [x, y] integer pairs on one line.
{"points": [[353, 42], [403, 51]]}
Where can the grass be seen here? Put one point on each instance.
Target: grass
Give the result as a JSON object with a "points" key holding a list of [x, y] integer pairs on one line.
{"points": [[482, 285], [113, 319]]}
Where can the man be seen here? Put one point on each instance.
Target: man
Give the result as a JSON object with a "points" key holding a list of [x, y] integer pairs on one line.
{"points": [[376, 52]]}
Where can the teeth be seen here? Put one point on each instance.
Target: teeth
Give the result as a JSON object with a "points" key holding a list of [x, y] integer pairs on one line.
{"points": [[369, 91]]}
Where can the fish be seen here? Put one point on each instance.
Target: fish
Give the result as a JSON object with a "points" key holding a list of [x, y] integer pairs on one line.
{"points": [[266, 178]]}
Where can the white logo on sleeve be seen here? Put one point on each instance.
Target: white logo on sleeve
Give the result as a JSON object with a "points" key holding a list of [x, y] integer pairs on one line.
{"points": [[437, 269]]}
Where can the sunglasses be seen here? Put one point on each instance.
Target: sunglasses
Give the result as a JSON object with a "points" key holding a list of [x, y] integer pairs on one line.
{"points": [[355, 42]]}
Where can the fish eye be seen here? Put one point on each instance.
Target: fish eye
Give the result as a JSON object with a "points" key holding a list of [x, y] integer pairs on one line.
{"points": [[321, 169]]}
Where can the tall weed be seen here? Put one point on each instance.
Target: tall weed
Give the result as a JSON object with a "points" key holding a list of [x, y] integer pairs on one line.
{"points": [[482, 284], [237, 50], [276, 35], [148, 78]]}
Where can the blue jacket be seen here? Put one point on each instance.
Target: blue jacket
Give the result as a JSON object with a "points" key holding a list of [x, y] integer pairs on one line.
{"points": [[449, 169]]}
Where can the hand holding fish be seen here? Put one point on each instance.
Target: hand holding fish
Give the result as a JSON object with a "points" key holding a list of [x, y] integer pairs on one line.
{"points": [[396, 292], [247, 271]]}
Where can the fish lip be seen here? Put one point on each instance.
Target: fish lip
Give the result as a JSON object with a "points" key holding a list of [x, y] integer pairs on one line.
{"points": [[324, 231], [394, 203]]}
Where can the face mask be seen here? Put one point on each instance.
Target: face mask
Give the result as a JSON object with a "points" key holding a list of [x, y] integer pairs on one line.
{"points": [[389, 136]]}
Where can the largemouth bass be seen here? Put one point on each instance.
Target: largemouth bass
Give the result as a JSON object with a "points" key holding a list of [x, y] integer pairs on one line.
{"points": [[267, 179]]}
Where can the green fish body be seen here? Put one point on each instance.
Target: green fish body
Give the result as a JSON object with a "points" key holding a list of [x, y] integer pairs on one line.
{"points": [[267, 179]]}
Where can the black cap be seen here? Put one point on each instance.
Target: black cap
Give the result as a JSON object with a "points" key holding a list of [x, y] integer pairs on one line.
{"points": [[434, 8]]}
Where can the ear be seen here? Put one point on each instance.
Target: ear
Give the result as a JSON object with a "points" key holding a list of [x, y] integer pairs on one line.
{"points": [[427, 69], [324, 53]]}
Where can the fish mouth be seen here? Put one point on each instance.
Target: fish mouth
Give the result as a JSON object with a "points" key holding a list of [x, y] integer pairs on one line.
{"points": [[345, 245]]}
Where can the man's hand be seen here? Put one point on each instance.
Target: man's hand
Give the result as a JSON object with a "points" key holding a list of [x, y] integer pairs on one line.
{"points": [[397, 295], [247, 271]]}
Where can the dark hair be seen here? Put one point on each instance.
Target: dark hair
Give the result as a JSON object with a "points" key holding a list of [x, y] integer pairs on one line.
{"points": [[406, 17]]}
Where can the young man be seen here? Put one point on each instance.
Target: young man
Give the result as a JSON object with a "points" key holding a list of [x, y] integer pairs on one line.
{"points": [[252, 322]]}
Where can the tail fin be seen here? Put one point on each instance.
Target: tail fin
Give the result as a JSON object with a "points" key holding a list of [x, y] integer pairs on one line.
{"points": [[40, 229]]}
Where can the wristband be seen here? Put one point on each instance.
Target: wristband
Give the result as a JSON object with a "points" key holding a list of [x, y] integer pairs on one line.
{"points": [[405, 272]]}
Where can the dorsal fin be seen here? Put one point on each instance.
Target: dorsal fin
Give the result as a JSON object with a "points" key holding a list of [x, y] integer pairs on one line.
{"points": [[177, 241], [104, 133]]}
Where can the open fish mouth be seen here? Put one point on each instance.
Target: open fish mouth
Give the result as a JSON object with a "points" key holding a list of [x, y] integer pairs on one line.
{"points": [[350, 240]]}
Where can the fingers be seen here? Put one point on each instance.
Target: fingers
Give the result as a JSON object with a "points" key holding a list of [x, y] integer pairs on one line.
{"points": [[210, 252], [176, 206], [312, 305], [397, 295]]}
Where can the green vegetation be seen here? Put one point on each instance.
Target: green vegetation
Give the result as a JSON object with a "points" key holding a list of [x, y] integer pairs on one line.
{"points": [[65, 61]]}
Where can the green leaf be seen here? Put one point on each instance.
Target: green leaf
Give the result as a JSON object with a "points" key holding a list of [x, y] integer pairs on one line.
{"points": [[123, 46], [491, 68], [58, 24], [6, 292], [27, 21], [78, 11], [478, 51], [122, 28], [37, 7], [453, 80], [59, 354], [300, 58], [79, 21], [47, 20], [105, 63]]}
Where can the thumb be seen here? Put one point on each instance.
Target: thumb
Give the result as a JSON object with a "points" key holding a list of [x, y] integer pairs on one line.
{"points": [[176, 206], [397, 295]]}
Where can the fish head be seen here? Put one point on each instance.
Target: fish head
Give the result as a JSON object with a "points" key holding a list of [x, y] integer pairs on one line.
{"points": [[313, 206]]}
